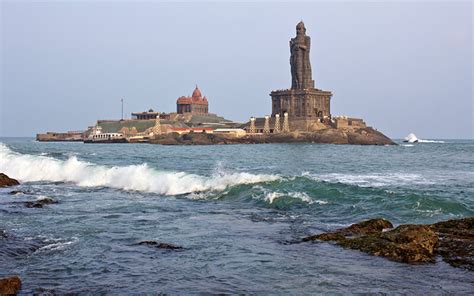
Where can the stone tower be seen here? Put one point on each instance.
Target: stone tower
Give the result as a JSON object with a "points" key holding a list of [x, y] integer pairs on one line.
{"points": [[302, 100]]}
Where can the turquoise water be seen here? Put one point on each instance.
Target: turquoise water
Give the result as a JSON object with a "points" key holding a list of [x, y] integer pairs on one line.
{"points": [[236, 209]]}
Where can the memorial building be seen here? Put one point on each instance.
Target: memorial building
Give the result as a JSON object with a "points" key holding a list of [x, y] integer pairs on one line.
{"points": [[195, 104]]}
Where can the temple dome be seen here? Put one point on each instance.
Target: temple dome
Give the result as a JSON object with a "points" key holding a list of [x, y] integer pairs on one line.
{"points": [[197, 93]]}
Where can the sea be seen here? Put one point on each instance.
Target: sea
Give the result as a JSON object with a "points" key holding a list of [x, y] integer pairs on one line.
{"points": [[238, 211]]}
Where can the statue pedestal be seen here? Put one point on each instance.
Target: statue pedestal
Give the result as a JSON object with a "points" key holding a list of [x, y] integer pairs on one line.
{"points": [[309, 103]]}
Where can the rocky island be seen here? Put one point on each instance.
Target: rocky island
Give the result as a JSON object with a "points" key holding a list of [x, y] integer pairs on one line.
{"points": [[301, 113]]}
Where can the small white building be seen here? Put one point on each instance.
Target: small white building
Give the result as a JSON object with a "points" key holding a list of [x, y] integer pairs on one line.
{"points": [[237, 132]]}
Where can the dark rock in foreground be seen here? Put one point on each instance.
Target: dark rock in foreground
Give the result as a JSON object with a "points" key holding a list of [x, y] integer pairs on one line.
{"points": [[361, 136], [453, 240], [160, 245], [6, 181], [39, 203], [10, 285]]}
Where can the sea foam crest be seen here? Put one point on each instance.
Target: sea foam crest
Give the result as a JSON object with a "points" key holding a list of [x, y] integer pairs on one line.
{"points": [[372, 180], [31, 168]]}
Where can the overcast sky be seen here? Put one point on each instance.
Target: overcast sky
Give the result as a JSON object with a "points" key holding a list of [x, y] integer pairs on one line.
{"points": [[403, 67]]}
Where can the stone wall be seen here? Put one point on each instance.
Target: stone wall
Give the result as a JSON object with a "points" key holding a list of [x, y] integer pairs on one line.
{"points": [[348, 122]]}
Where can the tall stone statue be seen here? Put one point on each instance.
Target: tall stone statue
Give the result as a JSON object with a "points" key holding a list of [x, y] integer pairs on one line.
{"points": [[302, 103], [299, 59]]}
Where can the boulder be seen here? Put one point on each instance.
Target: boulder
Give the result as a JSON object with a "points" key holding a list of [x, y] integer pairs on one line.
{"points": [[10, 285], [6, 181]]}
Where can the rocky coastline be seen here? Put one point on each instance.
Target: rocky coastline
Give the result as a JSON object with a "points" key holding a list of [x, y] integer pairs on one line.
{"points": [[362, 136]]}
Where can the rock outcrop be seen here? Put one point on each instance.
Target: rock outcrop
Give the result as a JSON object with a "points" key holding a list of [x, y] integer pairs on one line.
{"points": [[40, 203], [6, 181], [453, 240], [10, 285], [360, 136], [160, 245], [456, 242]]}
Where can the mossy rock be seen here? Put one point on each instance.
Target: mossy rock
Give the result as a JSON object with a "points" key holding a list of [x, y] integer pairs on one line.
{"points": [[406, 243]]}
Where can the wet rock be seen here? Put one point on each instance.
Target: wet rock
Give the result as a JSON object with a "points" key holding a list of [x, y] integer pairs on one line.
{"points": [[18, 192], [373, 226], [10, 285], [368, 227], [6, 181], [456, 242], [406, 243], [160, 245], [39, 203], [453, 240]]}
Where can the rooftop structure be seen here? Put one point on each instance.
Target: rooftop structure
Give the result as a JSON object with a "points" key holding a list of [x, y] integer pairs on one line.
{"points": [[147, 115]]}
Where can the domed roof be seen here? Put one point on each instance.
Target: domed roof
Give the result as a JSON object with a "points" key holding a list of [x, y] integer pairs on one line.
{"points": [[197, 93]]}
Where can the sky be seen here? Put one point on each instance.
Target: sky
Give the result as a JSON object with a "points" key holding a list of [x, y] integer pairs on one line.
{"points": [[401, 66]]}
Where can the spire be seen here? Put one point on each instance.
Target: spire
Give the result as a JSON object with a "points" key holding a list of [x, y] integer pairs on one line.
{"points": [[197, 93]]}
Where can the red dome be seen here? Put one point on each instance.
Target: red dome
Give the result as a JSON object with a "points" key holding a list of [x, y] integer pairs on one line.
{"points": [[197, 93]]}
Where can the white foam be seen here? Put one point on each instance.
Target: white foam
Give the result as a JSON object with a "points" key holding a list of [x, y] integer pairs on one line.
{"points": [[270, 197], [430, 141], [31, 168], [374, 180], [57, 244], [42, 197]]}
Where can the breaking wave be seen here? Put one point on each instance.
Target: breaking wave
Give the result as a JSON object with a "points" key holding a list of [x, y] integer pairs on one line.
{"points": [[31, 168]]}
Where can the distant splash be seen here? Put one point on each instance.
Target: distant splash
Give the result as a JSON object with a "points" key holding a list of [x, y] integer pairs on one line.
{"points": [[412, 138], [31, 168]]}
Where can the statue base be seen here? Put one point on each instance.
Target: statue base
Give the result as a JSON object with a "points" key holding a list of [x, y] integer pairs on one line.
{"points": [[309, 103]]}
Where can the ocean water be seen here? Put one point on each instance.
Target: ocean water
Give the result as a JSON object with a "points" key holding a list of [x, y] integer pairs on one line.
{"points": [[237, 210]]}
